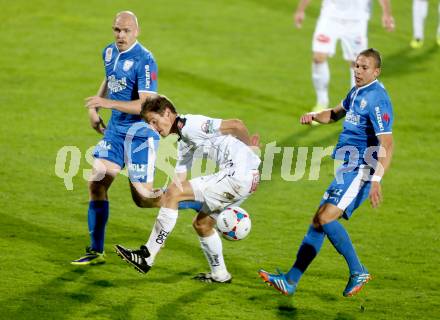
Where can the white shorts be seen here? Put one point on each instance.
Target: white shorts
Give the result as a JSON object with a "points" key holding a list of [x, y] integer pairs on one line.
{"points": [[352, 33], [224, 189]]}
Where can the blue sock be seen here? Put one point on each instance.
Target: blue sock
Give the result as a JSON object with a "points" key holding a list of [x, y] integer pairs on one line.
{"points": [[308, 250], [340, 239], [97, 219], [195, 205]]}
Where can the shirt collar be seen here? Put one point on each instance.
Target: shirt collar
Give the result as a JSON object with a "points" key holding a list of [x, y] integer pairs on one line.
{"points": [[129, 49], [367, 85]]}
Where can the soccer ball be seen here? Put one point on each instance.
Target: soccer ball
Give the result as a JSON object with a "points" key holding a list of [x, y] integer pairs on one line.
{"points": [[234, 223]]}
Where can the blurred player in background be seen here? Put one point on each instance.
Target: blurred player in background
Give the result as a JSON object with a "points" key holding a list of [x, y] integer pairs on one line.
{"points": [[224, 141], [345, 20], [130, 77], [420, 11], [366, 147]]}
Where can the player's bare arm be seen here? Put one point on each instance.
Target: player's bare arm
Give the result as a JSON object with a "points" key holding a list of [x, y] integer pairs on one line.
{"points": [[237, 128], [324, 116], [387, 18], [384, 160], [299, 15], [96, 121], [131, 107]]}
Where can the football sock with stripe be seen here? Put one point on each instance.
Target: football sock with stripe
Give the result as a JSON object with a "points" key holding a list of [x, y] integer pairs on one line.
{"points": [[308, 250], [97, 219], [165, 222], [340, 239]]}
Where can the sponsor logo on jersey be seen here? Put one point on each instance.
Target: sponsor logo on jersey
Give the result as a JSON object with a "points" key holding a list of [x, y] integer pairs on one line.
{"points": [[116, 85], [386, 118], [363, 104], [353, 118], [108, 54], [127, 65], [379, 118], [147, 77], [323, 38], [208, 126]]}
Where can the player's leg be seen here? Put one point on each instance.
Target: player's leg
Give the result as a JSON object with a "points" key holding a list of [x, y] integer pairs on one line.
{"points": [[353, 35], [321, 79], [103, 174], [141, 161], [324, 44], [438, 27], [212, 247], [420, 11], [217, 191], [144, 258]]}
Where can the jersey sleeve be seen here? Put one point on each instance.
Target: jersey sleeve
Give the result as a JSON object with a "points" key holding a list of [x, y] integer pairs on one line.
{"points": [[346, 102], [147, 75], [381, 116], [185, 156]]}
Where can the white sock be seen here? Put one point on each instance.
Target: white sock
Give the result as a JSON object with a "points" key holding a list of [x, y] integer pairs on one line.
{"points": [[213, 249], [321, 77], [352, 82], [420, 10], [165, 222]]}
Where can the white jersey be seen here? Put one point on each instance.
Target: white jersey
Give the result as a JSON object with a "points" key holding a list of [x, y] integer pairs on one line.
{"points": [[201, 138], [346, 9]]}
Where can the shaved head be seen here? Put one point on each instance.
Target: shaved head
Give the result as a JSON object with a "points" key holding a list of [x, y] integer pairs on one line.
{"points": [[124, 15], [125, 29]]}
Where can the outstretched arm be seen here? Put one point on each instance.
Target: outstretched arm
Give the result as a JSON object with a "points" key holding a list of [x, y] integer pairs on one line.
{"points": [[325, 116], [132, 107], [384, 156]]}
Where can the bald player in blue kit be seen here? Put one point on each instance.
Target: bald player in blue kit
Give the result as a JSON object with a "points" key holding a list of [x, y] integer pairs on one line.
{"points": [[130, 77]]}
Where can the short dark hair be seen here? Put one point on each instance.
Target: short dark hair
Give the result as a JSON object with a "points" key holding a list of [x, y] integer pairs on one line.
{"points": [[157, 103], [372, 53]]}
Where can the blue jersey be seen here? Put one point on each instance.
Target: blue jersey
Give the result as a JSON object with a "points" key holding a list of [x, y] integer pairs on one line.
{"points": [[128, 73], [369, 114]]}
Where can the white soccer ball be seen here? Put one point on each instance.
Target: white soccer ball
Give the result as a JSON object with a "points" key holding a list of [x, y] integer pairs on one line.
{"points": [[234, 223]]}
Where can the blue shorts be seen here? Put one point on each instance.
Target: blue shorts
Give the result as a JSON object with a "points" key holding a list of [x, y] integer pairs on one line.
{"points": [[349, 189], [138, 153]]}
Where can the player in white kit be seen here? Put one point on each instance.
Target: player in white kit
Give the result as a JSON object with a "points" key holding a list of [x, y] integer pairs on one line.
{"points": [[419, 12], [227, 142], [344, 20]]}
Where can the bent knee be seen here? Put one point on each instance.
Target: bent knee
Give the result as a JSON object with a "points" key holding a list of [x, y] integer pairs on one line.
{"points": [[202, 227], [319, 57], [326, 214]]}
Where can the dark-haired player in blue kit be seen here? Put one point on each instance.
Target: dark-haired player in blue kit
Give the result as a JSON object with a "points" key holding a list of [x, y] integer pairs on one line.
{"points": [[366, 146], [130, 77]]}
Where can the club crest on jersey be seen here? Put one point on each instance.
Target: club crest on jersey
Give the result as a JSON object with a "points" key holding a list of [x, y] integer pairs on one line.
{"points": [[127, 65], [108, 54], [208, 126], [363, 104]]}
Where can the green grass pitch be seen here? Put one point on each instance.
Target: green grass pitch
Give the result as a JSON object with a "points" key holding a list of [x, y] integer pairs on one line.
{"points": [[229, 59]]}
